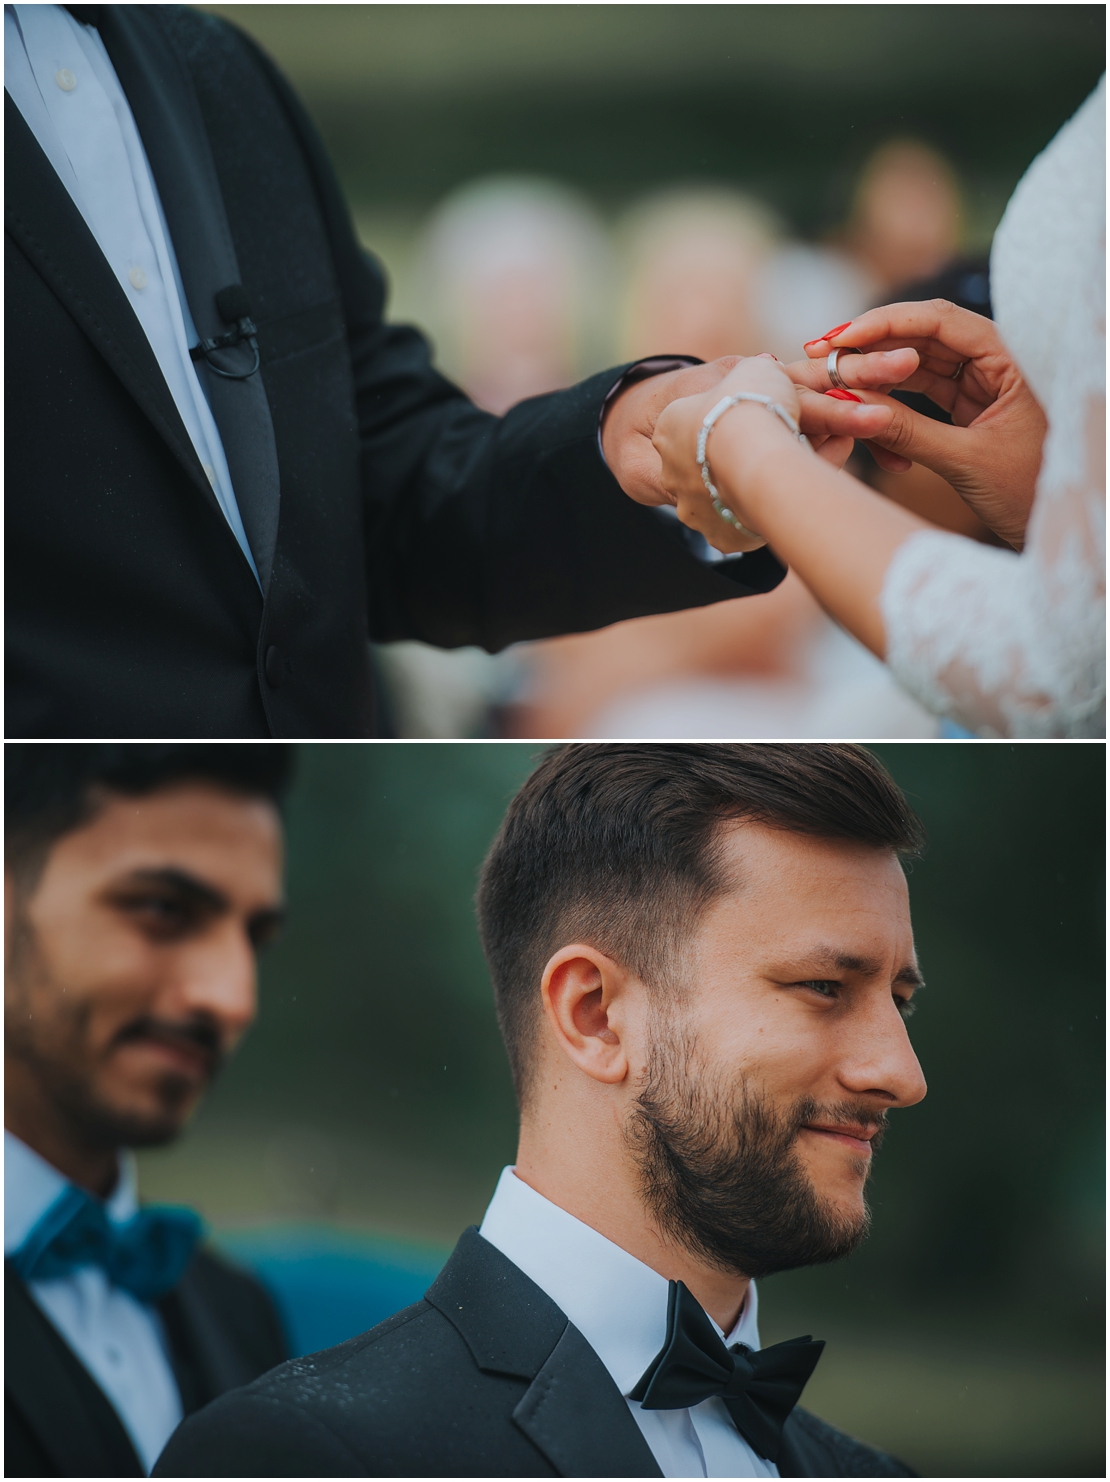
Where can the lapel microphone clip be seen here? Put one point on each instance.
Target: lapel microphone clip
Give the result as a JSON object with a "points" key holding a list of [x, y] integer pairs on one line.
{"points": [[234, 308]]}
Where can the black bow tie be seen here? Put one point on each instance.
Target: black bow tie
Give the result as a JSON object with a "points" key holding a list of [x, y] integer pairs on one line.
{"points": [[760, 1386]]}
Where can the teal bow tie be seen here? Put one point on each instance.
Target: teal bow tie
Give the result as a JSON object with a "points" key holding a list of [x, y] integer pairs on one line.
{"points": [[146, 1255]]}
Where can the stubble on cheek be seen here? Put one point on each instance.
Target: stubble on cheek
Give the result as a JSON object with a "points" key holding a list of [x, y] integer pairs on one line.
{"points": [[55, 1035]]}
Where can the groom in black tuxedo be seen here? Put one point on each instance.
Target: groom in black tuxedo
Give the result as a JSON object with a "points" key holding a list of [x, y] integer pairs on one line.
{"points": [[703, 963], [226, 472]]}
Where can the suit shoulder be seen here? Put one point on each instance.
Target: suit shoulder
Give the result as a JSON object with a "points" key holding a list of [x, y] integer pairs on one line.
{"points": [[351, 1410], [825, 1451], [358, 1361]]}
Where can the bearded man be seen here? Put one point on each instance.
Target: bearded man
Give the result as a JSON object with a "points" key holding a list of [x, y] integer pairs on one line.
{"points": [[140, 883], [703, 963]]}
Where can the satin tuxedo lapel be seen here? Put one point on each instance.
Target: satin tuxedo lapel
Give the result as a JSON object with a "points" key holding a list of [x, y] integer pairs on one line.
{"points": [[578, 1418], [50, 231], [55, 1398], [572, 1411], [168, 117]]}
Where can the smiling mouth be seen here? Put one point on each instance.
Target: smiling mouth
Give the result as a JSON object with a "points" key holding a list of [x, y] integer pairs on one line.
{"points": [[191, 1050], [858, 1140]]}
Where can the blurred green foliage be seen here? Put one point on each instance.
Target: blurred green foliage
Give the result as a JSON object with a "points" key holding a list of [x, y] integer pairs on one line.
{"points": [[617, 99], [374, 1091]]}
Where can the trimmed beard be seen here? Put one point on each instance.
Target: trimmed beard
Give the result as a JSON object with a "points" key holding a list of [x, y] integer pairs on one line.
{"points": [[721, 1174]]}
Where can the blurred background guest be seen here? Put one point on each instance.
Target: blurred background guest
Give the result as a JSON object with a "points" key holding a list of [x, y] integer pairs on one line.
{"points": [[516, 273], [514, 277], [690, 273], [905, 221], [140, 883]]}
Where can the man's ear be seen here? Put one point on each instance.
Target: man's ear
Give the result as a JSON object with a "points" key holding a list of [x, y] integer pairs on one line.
{"points": [[584, 995]]}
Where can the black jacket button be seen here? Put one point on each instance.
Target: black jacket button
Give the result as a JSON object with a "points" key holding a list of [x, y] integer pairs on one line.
{"points": [[275, 667]]}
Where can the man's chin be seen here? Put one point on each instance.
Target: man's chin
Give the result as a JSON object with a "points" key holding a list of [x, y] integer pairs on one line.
{"points": [[150, 1119]]}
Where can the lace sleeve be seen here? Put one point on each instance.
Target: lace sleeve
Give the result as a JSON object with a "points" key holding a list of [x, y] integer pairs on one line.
{"points": [[1008, 644]]}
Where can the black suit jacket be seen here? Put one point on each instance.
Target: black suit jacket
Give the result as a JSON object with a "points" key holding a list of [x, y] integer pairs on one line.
{"points": [[223, 1332], [484, 1377], [378, 502]]}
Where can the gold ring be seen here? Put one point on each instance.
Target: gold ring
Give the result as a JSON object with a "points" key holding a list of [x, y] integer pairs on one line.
{"points": [[831, 364]]}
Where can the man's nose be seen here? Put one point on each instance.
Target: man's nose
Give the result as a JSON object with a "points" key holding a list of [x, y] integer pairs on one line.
{"points": [[881, 1060], [219, 979]]}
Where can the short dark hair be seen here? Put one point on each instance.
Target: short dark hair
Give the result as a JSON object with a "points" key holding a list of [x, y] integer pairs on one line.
{"points": [[615, 845], [52, 789]]}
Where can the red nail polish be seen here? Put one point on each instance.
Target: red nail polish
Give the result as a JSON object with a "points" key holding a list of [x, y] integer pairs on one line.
{"points": [[829, 333], [843, 395]]}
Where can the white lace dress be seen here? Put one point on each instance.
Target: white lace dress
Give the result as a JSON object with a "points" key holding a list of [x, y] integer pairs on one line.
{"points": [[1001, 643]]}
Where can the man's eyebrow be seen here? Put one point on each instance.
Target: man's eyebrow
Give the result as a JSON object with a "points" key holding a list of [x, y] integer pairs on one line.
{"points": [[268, 922], [911, 975], [866, 967], [197, 891]]}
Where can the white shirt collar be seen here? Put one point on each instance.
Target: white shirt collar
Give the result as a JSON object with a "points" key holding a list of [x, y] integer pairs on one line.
{"points": [[31, 1185], [618, 1304]]}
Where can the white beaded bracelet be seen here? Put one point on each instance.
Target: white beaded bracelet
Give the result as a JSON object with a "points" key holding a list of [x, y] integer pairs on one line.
{"points": [[703, 438]]}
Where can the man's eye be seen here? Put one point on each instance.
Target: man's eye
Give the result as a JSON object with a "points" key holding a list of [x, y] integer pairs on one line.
{"points": [[158, 913], [906, 1006], [265, 933], [827, 987]]}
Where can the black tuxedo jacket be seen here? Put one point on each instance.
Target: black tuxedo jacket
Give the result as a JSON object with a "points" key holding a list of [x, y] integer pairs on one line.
{"points": [[378, 502], [484, 1377], [222, 1330]]}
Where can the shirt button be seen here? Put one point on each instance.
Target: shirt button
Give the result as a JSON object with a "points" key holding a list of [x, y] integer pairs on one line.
{"points": [[211, 472], [65, 80], [138, 278]]}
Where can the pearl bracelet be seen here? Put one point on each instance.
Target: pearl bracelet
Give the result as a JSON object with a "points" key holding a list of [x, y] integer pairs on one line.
{"points": [[703, 438]]}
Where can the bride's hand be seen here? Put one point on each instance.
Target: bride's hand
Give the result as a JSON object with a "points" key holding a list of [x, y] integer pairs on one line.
{"points": [[829, 424], [992, 452]]}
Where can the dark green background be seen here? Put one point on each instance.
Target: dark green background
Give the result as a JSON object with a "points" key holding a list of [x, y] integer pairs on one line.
{"points": [[782, 99], [967, 1333]]}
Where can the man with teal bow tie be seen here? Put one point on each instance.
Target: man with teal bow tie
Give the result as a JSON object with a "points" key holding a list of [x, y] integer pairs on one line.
{"points": [[140, 882]]}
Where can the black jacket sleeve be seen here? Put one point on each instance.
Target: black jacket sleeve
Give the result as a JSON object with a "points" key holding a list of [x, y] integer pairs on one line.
{"points": [[483, 529]]}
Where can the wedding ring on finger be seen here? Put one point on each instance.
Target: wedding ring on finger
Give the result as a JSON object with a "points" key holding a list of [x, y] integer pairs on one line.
{"points": [[958, 372], [832, 363]]}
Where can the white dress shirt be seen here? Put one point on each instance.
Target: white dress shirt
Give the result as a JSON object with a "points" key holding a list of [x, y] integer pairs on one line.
{"points": [[59, 76], [619, 1305], [119, 1339]]}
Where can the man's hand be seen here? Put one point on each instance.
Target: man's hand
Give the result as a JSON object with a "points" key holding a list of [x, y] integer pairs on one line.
{"points": [[630, 422], [629, 426]]}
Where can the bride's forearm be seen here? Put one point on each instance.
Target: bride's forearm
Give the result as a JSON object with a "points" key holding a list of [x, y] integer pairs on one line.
{"points": [[832, 530]]}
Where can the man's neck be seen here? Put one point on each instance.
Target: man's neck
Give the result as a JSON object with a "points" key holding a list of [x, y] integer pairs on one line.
{"points": [[609, 1201], [39, 1124]]}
